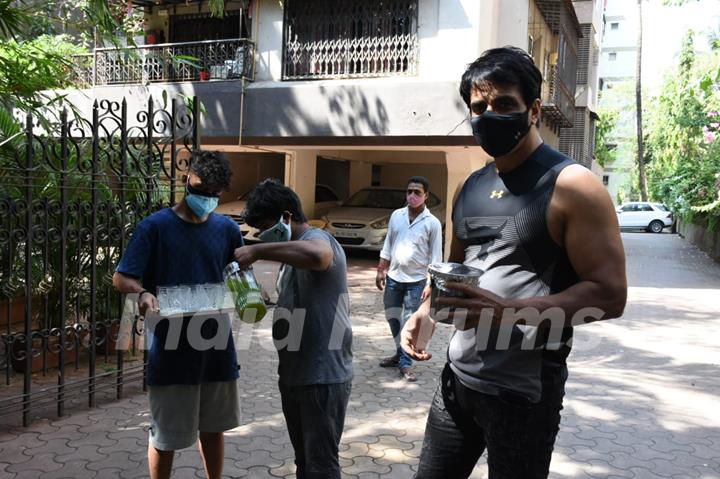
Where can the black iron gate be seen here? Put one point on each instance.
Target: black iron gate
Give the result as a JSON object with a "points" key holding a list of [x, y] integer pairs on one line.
{"points": [[69, 199]]}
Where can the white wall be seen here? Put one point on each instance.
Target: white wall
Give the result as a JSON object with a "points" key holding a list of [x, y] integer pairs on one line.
{"points": [[447, 33], [622, 67], [451, 34], [268, 37]]}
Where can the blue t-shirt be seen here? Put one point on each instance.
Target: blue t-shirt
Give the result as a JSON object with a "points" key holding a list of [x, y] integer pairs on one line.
{"points": [[165, 250]]}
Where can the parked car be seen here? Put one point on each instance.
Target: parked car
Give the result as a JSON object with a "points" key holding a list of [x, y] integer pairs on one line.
{"points": [[652, 217], [325, 200], [362, 221]]}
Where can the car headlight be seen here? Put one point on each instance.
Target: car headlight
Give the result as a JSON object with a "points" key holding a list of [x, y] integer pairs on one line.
{"points": [[378, 225]]}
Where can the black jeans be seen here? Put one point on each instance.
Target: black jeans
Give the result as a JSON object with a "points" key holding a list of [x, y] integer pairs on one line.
{"points": [[519, 436], [315, 417]]}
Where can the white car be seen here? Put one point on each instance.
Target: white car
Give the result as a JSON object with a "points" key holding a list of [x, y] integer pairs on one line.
{"points": [[325, 200], [649, 216], [362, 221]]}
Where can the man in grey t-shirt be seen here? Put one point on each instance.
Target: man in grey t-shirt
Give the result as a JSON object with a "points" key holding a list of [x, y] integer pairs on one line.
{"points": [[311, 325]]}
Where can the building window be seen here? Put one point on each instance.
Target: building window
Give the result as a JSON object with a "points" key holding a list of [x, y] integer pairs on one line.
{"points": [[612, 56], [614, 26], [196, 27], [606, 180], [349, 38]]}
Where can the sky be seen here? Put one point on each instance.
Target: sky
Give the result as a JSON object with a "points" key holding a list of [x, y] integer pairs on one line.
{"points": [[664, 29]]}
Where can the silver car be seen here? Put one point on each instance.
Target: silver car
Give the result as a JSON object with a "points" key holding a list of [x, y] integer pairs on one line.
{"points": [[362, 221]]}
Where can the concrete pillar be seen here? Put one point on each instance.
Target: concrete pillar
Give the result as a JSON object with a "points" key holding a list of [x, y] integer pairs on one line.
{"points": [[360, 175], [300, 172], [460, 164]]}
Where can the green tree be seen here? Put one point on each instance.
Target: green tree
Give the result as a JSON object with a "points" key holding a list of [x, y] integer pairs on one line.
{"points": [[604, 151], [683, 137]]}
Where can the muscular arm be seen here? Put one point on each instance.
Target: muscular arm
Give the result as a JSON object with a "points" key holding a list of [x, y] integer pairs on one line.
{"points": [[582, 218]]}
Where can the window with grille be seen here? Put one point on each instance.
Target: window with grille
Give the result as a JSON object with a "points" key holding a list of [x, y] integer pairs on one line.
{"points": [[349, 38]]}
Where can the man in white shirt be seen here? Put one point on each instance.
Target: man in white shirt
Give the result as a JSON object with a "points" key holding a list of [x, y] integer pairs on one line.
{"points": [[413, 241]]}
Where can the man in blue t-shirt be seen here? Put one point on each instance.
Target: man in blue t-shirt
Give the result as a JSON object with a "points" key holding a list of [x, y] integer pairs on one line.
{"points": [[191, 390], [311, 325]]}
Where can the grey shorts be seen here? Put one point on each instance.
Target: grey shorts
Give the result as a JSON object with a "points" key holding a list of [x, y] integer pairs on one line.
{"points": [[178, 412]]}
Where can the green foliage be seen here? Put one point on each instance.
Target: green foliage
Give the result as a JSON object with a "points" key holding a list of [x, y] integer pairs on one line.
{"points": [[606, 123], [32, 66], [683, 140], [12, 19]]}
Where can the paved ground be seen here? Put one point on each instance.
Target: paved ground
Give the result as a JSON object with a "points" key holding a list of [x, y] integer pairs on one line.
{"points": [[642, 396]]}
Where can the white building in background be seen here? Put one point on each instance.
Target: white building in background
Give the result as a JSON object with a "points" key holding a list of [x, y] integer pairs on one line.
{"points": [[618, 60], [619, 43]]}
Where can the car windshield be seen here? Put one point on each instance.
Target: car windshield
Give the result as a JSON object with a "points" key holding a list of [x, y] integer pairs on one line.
{"points": [[662, 207], [387, 199]]}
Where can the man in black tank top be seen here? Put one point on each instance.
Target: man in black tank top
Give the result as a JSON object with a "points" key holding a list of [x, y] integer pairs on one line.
{"points": [[544, 231]]}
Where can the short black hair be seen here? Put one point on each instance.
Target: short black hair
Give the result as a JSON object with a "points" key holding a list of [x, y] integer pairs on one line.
{"points": [[268, 200], [213, 168], [420, 180], [506, 66]]}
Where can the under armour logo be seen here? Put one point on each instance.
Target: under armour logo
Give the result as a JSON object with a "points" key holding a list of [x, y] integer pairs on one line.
{"points": [[496, 195]]}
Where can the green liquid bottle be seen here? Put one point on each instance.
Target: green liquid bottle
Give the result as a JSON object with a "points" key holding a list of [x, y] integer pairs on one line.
{"points": [[245, 292]]}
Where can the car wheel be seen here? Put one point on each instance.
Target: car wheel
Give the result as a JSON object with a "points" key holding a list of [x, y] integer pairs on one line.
{"points": [[656, 226]]}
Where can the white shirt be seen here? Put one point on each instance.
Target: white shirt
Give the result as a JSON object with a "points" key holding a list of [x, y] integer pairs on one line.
{"points": [[411, 247]]}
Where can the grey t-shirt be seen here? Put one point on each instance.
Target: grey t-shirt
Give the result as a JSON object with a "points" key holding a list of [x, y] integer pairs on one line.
{"points": [[311, 325]]}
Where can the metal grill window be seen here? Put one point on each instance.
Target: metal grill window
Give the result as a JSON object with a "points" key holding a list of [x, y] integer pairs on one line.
{"points": [[576, 142], [349, 38], [583, 60]]}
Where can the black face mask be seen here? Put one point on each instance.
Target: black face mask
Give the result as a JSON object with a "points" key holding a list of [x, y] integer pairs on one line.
{"points": [[499, 134]]}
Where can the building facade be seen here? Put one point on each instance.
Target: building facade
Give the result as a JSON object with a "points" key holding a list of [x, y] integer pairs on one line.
{"points": [[344, 93], [578, 141]]}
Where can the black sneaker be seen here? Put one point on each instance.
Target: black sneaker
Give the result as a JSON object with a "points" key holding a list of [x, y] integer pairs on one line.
{"points": [[390, 362]]}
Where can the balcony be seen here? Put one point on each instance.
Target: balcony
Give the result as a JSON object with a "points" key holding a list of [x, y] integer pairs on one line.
{"points": [[167, 62], [559, 98]]}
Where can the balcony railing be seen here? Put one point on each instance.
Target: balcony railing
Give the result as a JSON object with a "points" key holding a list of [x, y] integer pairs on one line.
{"points": [[558, 101], [167, 62], [331, 39]]}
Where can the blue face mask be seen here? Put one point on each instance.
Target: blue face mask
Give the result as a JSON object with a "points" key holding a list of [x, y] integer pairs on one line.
{"points": [[200, 202], [278, 233]]}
